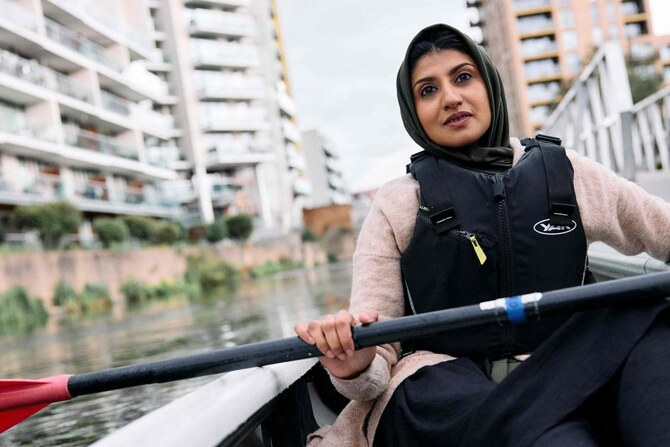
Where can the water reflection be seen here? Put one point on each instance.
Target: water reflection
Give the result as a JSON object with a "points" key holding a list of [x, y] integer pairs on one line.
{"points": [[256, 310]]}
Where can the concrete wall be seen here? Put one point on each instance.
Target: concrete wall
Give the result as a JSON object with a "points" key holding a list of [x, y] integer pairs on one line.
{"points": [[40, 272]]}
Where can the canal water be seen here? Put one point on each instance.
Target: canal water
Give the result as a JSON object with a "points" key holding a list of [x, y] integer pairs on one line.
{"points": [[257, 310]]}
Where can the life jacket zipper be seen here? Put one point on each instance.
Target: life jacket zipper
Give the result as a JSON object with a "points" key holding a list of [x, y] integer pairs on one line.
{"points": [[506, 285], [465, 236]]}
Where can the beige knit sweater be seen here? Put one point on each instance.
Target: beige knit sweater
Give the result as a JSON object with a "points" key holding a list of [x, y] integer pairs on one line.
{"points": [[613, 210]]}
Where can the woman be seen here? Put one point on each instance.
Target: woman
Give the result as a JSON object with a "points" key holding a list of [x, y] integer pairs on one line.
{"points": [[477, 218]]}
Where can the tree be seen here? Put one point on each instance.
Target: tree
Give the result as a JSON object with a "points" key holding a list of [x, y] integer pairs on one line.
{"points": [[240, 227], [167, 232], [643, 77], [217, 231], [141, 228], [52, 220], [110, 231]]}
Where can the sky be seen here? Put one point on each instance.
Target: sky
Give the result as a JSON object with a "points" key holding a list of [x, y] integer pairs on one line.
{"points": [[343, 57]]}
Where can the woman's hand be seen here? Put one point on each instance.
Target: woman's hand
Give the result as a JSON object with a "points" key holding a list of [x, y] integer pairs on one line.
{"points": [[332, 336]]}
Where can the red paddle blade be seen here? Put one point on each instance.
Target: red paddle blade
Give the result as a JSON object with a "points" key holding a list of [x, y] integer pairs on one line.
{"points": [[21, 398], [10, 418]]}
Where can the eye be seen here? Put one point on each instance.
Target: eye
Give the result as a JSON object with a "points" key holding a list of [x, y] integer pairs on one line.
{"points": [[462, 77], [427, 90]]}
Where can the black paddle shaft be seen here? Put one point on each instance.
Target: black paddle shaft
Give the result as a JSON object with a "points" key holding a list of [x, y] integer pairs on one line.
{"points": [[622, 291]]}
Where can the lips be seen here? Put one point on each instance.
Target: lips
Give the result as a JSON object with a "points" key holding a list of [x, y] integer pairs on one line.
{"points": [[457, 117]]}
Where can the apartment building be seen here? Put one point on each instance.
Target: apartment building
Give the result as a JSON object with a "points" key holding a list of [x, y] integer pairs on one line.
{"points": [[77, 111], [324, 171], [540, 45], [241, 147]]}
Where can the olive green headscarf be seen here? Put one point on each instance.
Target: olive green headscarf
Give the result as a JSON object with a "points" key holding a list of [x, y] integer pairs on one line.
{"points": [[492, 153]]}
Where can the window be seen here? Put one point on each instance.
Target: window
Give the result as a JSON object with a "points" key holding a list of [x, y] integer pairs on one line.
{"points": [[573, 62], [597, 35], [595, 13], [570, 40], [567, 18]]}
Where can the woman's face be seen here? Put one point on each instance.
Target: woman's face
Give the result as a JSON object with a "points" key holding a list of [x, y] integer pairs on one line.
{"points": [[450, 98]]}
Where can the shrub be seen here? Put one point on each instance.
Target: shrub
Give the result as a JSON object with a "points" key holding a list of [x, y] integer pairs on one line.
{"points": [[20, 312], [63, 293], [240, 227], [217, 231], [308, 235], [272, 267], [197, 233], [141, 228], [94, 298], [52, 220], [110, 231], [210, 274], [167, 232], [136, 292], [332, 257]]}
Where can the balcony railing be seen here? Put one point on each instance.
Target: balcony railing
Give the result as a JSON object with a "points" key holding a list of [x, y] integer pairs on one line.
{"points": [[98, 13], [534, 25], [520, 5], [115, 103], [81, 44], [213, 53], [97, 142], [533, 47], [72, 88], [231, 24], [15, 122]]}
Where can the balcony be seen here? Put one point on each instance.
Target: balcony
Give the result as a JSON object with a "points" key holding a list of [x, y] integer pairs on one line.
{"points": [[535, 25], [301, 186], [87, 11], [543, 92], [534, 47], [115, 103], [524, 5], [208, 54], [169, 157], [217, 87], [16, 14], [286, 103], [94, 141], [82, 45], [242, 153], [151, 121], [217, 117], [219, 3], [542, 69], [72, 88], [13, 121], [291, 131], [212, 23]]}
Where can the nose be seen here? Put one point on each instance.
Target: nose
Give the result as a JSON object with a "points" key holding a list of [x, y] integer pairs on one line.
{"points": [[451, 98]]}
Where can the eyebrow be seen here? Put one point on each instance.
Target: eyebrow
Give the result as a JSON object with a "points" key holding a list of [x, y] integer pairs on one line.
{"points": [[451, 72]]}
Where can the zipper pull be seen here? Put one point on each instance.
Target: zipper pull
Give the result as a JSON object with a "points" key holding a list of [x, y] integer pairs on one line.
{"points": [[478, 249]]}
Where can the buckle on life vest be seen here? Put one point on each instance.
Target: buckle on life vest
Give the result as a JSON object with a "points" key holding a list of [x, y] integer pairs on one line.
{"points": [[561, 213], [444, 220], [548, 138]]}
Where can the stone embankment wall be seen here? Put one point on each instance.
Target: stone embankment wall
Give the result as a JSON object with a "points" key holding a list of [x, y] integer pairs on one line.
{"points": [[40, 272]]}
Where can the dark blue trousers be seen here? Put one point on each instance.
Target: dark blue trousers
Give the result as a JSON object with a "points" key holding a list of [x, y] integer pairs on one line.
{"points": [[602, 379]]}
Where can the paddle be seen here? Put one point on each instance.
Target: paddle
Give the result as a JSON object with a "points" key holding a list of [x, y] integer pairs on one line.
{"points": [[20, 398]]}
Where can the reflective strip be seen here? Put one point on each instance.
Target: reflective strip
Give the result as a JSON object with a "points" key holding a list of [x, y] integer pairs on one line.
{"points": [[409, 296]]}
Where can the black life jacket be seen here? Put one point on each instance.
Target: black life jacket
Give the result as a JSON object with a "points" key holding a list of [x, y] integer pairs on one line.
{"points": [[482, 236]]}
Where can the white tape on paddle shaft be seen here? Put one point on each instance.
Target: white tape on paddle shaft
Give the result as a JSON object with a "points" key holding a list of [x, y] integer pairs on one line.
{"points": [[500, 302]]}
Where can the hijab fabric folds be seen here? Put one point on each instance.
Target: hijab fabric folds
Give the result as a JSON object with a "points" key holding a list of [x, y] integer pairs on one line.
{"points": [[492, 153]]}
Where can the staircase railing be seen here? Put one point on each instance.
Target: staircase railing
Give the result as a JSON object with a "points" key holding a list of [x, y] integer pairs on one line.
{"points": [[597, 118]]}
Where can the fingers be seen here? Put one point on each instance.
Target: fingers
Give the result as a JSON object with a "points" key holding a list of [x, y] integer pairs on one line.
{"points": [[368, 316], [332, 335], [303, 333]]}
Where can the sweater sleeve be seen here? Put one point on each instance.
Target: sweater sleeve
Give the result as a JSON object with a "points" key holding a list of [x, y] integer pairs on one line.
{"points": [[377, 281], [619, 212]]}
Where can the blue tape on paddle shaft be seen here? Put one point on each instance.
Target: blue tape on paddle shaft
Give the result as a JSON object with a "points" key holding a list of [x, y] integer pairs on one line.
{"points": [[514, 309]]}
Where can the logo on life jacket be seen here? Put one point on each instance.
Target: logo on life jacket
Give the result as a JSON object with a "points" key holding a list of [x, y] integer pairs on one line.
{"points": [[545, 228]]}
